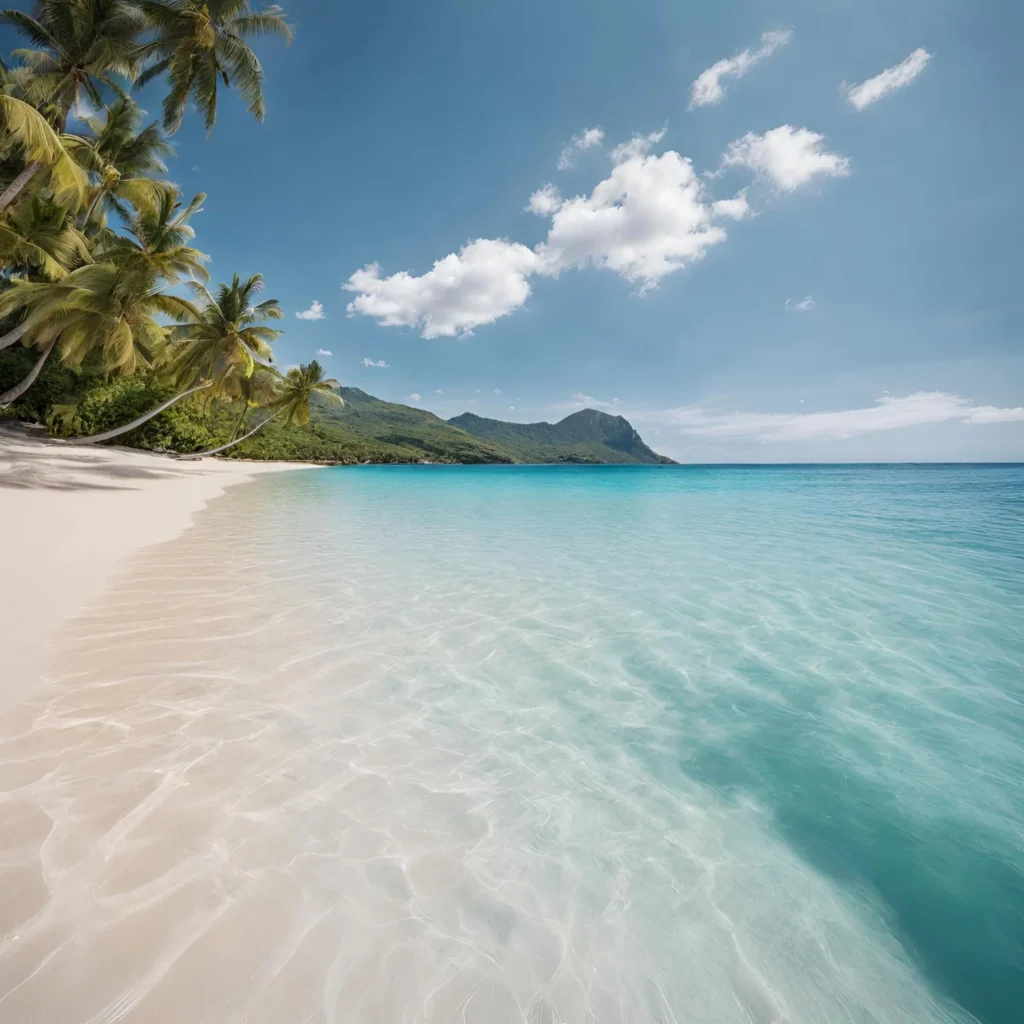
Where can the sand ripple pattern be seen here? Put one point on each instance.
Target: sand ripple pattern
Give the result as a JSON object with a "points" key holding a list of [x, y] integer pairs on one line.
{"points": [[474, 747]]}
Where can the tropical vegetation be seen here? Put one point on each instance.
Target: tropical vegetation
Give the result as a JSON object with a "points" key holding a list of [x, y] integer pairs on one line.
{"points": [[107, 318]]}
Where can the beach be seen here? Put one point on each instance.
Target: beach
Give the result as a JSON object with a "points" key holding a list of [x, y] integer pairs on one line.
{"points": [[72, 516], [468, 744]]}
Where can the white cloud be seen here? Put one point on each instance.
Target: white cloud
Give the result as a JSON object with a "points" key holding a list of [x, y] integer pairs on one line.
{"points": [[707, 89], [439, 391], [802, 306], [579, 399], [324, 352], [649, 218], [81, 110], [545, 201], [790, 156], [497, 391], [315, 312], [380, 363], [736, 208], [874, 89], [587, 139], [993, 414], [485, 280], [637, 146], [888, 413], [414, 397]]}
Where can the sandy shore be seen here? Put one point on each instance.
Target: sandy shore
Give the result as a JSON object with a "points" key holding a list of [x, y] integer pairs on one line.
{"points": [[70, 516]]}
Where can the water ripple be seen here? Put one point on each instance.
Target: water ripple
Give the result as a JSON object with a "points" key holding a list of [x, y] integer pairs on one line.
{"points": [[546, 746]]}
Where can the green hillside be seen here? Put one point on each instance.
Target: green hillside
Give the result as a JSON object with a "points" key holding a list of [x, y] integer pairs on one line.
{"points": [[364, 429], [367, 429], [585, 436]]}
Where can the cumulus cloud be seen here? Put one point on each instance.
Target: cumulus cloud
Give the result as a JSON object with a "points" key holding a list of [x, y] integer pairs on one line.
{"points": [[891, 79], [790, 156], [801, 306], [483, 281], [651, 217], [414, 397], [587, 139], [439, 391], [736, 208], [545, 201], [707, 89], [638, 145], [324, 352], [380, 363], [497, 391], [315, 312], [888, 413]]}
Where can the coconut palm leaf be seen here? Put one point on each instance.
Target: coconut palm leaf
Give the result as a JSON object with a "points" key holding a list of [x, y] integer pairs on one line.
{"points": [[199, 46], [83, 45], [298, 387], [228, 338], [24, 126], [39, 235]]}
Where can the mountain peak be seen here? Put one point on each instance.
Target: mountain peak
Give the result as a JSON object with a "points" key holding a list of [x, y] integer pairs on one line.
{"points": [[588, 435]]}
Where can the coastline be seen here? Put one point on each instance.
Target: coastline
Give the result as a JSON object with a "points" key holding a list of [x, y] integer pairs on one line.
{"points": [[72, 516]]}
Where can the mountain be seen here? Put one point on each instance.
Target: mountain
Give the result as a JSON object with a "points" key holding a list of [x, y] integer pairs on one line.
{"points": [[367, 429], [585, 436]]}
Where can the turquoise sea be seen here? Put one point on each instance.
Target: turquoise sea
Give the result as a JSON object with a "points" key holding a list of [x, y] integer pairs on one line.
{"points": [[609, 744]]}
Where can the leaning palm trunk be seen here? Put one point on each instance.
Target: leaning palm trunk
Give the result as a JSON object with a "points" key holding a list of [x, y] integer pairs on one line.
{"points": [[13, 336], [241, 420], [239, 440], [15, 188], [144, 418], [13, 394]]}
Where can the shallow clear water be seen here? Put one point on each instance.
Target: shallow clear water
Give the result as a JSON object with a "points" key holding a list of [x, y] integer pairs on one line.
{"points": [[541, 744]]}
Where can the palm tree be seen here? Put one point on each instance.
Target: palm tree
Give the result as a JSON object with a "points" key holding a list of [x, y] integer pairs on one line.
{"points": [[161, 234], [200, 45], [295, 393], [39, 236], [104, 307], [229, 337], [260, 388], [22, 127], [80, 46], [111, 306], [300, 384], [125, 157]]}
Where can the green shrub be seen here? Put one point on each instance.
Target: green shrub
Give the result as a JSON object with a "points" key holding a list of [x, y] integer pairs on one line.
{"points": [[181, 428], [55, 384]]}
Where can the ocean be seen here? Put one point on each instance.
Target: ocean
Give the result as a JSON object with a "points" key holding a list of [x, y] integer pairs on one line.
{"points": [[542, 744]]}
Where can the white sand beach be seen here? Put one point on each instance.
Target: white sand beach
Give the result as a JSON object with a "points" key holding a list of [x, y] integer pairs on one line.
{"points": [[71, 516]]}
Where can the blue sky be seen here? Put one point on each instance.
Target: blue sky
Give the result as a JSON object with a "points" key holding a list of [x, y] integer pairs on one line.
{"points": [[400, 133]]}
